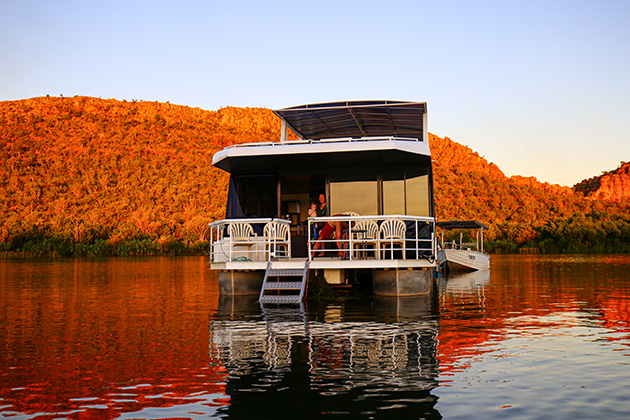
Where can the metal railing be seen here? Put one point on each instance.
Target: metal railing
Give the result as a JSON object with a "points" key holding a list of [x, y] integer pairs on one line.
{"points": [[324, 140], [260, 245], [351, 240]]}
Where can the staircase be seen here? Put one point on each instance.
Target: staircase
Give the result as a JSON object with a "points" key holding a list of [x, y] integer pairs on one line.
{"points": [[284, 283]]}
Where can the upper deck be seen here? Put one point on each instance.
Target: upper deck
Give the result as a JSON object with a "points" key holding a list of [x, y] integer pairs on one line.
{"points": [[352, 134]]}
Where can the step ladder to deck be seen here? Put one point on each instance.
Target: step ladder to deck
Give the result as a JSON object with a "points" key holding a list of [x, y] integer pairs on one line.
{"points": [[284, 283]]}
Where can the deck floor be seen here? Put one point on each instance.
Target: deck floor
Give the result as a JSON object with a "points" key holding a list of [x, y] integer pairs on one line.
{"points": [[324, 263]]}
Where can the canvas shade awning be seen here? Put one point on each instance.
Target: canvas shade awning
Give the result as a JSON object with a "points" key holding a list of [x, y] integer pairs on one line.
{"points": [[357, 119]]}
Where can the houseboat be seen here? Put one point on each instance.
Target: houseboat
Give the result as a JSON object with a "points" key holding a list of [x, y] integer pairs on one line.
{"points": [[365, 169]]}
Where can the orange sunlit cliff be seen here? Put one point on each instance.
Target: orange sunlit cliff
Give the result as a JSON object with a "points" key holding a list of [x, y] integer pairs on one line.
{"points": [[611, 185], [89, 176]]}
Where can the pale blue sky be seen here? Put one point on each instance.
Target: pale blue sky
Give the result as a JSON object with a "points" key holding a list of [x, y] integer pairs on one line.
{"points": [[541, 88]]}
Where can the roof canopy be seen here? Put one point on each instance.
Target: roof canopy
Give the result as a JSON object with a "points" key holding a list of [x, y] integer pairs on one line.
{"points": [[356, 119], [461, 224]]}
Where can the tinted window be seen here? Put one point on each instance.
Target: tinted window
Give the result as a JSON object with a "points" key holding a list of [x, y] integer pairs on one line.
{"points": [[359, 195], [418, 195]]}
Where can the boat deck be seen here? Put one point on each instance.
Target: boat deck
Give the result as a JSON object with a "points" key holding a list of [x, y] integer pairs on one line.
{"points": [[326, 263], [413, 246]]}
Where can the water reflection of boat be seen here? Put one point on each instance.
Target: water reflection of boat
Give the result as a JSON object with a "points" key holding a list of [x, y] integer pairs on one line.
{"points": [[469, 285], [465, 281], [462, 256], [337, 358]]}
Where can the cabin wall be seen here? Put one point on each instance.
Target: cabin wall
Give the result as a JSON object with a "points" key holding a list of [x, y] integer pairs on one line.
{"points": [[366, 190]]}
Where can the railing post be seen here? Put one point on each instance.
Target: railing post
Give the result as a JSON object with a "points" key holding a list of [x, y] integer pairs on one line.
{"points": [[417, 242], [211, 243], [308, 241], [350, 239]]}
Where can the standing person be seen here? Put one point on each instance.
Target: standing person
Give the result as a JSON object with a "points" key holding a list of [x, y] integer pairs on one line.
{"points": [[312, 212], [322, 209]]}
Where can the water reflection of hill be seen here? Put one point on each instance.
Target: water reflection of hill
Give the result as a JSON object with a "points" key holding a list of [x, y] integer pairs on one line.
{"points": [[362, 359], [464, 328], [520, 293], [106, 338]]}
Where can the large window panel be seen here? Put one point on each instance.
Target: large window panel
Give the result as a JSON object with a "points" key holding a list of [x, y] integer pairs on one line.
{"points": [[394, 195], [418, 195], [359, 195]]}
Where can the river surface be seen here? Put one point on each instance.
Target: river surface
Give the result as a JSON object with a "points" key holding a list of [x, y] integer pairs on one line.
{"points": [[536, 337]]}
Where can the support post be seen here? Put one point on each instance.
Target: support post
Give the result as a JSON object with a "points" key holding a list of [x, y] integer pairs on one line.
{"points": [[283, 132]]}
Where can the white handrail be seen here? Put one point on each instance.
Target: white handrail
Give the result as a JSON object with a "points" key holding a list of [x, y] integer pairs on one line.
{"points": [[218, 241], [324, 140], [352, 245], [412, 244]]}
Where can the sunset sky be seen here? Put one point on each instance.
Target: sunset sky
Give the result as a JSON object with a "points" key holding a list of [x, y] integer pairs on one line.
{"points": [[540, 88]]}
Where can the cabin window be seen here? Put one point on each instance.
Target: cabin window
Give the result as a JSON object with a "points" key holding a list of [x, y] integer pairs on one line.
{"points": [[417, 195], [358, 194], [257, 195], [400, 193], [393, 194]]}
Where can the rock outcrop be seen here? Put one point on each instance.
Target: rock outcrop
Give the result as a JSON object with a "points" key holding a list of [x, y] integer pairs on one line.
{"points": [[613, 185]]}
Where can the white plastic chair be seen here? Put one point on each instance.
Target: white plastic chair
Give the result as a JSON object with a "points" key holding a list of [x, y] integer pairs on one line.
{"points": [[364, 233], [276, 235], [393, 232], [242, 234]]}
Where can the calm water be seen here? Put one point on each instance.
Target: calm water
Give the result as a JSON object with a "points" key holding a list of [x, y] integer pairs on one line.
{"points": [[537, 337]]}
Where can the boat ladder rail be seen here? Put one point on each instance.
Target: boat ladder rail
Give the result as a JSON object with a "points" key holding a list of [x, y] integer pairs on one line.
{"points": [[284, 284]]}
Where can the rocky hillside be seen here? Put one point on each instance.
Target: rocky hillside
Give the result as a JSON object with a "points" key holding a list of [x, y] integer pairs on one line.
{"points": [[87, 169], [100, 174], [517, 208]]}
